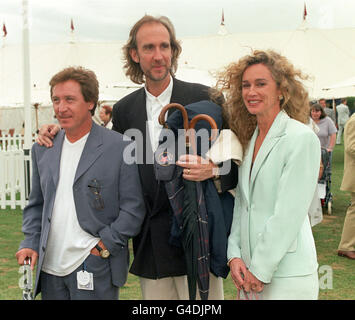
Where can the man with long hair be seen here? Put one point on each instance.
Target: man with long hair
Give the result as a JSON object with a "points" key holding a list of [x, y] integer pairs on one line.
{"points": [[150, 57]]}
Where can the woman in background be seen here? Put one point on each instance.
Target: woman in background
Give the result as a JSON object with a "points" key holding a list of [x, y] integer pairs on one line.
{"points": [[327, 130]]}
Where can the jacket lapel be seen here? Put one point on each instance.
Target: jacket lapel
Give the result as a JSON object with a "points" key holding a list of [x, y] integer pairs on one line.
{"points": [[54, 154], [137, 119], [177, 95], [275, 132], [244, 179], [92, 150]]}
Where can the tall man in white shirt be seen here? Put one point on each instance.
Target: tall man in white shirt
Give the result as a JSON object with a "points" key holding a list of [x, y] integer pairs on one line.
{"points": [[83, 206], [151, 57], [343, 117]]}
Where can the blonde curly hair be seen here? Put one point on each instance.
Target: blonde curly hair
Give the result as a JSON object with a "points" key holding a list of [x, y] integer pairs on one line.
{"points": [[288, 79]]}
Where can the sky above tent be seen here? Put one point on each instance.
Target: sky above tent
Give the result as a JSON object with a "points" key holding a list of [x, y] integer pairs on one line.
{"points": [[111, 20]]}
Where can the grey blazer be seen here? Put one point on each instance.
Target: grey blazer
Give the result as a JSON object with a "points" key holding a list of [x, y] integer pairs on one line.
{"points": [[118, 219]]}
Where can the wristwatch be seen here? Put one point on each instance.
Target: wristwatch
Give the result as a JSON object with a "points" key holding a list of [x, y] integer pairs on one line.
{"points": [[104, 253]]}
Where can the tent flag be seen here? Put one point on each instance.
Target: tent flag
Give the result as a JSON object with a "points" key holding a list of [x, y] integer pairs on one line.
{"points": [[222, 21], [4, 30], [72, 25], [304, 12]]}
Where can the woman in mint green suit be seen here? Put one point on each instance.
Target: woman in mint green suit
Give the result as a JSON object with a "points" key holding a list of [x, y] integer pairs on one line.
{"points": [[271, 249]]}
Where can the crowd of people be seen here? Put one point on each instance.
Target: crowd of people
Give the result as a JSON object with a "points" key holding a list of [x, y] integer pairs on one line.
{"points": [[93, 189]]}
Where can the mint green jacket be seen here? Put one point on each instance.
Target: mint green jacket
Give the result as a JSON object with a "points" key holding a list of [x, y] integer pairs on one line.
{"points": [[271, 230]]}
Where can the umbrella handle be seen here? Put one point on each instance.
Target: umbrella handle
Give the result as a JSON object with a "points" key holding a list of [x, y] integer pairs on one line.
{"points": [[191, 131], [207, 118], [176, 106]]}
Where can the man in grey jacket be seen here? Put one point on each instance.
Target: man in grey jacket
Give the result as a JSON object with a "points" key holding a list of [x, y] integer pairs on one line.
{"points": [[86, 200]]}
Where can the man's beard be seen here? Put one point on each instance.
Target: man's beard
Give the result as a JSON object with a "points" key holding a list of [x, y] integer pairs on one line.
{"points": [[150, 76]]}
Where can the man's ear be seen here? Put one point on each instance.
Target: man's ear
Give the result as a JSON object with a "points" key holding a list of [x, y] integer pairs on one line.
{"points": [[134, 55]]}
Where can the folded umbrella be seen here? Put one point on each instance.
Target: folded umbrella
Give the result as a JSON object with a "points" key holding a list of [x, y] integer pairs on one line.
{"points": [[192, 216]]}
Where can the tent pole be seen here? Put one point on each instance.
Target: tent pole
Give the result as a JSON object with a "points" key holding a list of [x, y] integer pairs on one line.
{"points": [[26, 96]]}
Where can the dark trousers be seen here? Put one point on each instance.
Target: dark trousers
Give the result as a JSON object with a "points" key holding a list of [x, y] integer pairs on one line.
{"points": [[66, 288]]}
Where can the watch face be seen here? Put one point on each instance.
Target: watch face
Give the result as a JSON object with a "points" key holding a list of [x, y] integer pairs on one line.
{"points": [[105, 253]]}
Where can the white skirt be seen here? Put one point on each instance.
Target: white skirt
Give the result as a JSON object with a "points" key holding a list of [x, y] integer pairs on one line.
{"points": [[292, 288]]}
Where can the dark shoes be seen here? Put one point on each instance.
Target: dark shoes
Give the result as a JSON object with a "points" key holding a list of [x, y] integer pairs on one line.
{"points": [[347, 254]]}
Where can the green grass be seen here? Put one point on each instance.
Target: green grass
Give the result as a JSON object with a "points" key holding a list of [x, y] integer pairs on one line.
{"points": [[327, 236], [10, 236]]}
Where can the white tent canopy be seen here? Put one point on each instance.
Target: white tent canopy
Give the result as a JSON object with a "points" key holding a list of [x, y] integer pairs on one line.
{"points": [[327, 56], [342, 84]]}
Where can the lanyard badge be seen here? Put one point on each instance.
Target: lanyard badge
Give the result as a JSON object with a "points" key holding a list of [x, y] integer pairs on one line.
{"points": [[85, 279]]}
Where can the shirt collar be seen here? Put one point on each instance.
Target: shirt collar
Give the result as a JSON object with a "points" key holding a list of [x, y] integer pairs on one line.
{"points": [[164, 96]]}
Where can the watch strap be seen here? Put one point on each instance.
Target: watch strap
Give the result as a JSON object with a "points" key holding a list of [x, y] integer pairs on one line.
{"points": [[98, 248]]}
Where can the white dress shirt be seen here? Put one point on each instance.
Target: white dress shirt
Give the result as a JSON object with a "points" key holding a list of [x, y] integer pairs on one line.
{"points": [[154, 105]]}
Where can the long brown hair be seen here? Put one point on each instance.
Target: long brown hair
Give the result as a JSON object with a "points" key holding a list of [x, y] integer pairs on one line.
{"points": [[133, 69], [294, 101]]}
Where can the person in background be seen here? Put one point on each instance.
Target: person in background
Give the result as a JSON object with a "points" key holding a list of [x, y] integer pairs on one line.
{"points": [[328, 111], [271, 249], [105, 116], [315, 212], [347, 243], [327, 130], [82, 209], [343, 117]]}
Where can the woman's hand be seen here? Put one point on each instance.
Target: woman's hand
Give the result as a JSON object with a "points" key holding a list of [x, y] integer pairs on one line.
{"points": [[253, 284], [243, 278], [238, 272]]}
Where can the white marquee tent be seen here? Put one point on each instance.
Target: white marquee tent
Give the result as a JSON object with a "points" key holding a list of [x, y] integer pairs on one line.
{"points": [[347, 86], [327, 56]]}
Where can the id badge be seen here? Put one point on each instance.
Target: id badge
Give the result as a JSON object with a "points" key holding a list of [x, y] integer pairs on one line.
{"points": [[85, 280]]}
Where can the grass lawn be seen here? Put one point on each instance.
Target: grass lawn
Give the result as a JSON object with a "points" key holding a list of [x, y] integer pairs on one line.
{"points": [[336, 273]]}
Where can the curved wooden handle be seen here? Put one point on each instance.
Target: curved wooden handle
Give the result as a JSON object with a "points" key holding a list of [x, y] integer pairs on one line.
{"points": [[207, 118], [161, 117]]}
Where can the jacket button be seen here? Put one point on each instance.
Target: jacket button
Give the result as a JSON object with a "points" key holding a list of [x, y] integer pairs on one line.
{"points": [[43, 249], [49, 219]]}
